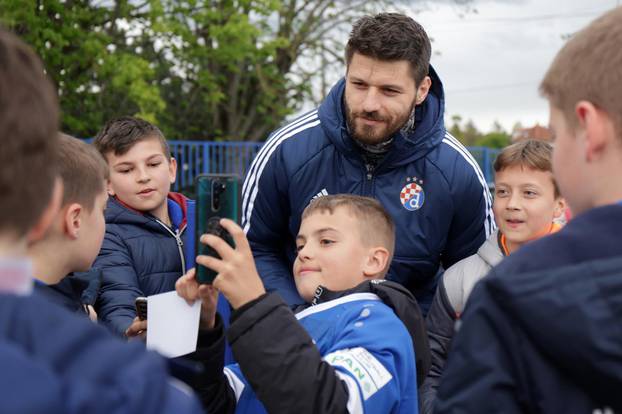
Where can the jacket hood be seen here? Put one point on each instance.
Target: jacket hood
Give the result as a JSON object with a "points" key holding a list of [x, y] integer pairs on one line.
{"points": [[572, 315], [428, 132], [490, 252], [405, 306]]}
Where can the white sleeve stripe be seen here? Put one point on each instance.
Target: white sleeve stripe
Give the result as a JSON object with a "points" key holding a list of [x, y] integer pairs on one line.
{"points": [[489, 223], [234, 382], [355, 405], [253, 193], [271, 140], [262, 158]]}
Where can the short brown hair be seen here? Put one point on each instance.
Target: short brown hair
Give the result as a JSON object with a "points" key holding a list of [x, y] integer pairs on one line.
{"points": [[121, 134], [532, 154], [28, 136], [588, 68], [83, 171], [376, 225], [391, 37]]}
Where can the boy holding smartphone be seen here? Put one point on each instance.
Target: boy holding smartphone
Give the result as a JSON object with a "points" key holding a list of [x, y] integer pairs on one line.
{"points": [[353, 350]]}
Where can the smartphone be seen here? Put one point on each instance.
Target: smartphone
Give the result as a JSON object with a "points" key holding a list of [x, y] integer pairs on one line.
{"points": [[217, 197], [141, 307]]}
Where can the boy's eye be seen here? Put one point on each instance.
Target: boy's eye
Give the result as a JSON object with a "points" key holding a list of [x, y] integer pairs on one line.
{"points": [[299, 247], [530, 193], [501, 193], [154, 164], [326, 242], [124, 171]]}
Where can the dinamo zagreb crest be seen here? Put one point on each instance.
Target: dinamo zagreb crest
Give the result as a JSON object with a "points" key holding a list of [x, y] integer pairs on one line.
{"points": [[412, 196]]}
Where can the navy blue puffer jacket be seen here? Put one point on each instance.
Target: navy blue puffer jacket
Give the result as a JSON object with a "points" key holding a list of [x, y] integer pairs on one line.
{"points": [[141, 256]]}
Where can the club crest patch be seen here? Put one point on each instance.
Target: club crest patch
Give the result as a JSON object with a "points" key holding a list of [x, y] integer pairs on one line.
{"points": [[412, 196]]}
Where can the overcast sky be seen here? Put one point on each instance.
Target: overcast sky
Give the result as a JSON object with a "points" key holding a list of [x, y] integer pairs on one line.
{"points": [[491, 62]]}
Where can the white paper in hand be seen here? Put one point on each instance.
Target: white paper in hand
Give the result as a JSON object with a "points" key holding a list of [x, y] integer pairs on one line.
{"points": [[172, 324]]}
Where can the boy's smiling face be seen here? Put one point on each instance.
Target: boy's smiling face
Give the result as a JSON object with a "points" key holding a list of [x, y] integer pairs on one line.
{"points": [[525, 204], [142, 177], [331, 253]]}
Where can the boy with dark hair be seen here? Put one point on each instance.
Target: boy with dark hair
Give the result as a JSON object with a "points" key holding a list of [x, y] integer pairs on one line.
{"points": [[352, 350], [149, 230], [379, 133], [526, 204], [53, 361], [75, 236], [541, 331]]}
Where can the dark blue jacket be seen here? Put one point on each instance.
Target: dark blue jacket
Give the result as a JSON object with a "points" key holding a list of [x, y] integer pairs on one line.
{"points": [[75, 291], [315, 155], [141, 256], [53, 361], [541, 333]]}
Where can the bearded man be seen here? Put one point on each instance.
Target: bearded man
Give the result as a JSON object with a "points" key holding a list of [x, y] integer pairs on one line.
{"points": [[379, 133]]}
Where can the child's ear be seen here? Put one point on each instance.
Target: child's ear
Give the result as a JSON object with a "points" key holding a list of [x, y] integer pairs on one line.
{"points": [[73, 220], [172, 169], [597, 128], [560, 207], [376, 261], [109, 188]]}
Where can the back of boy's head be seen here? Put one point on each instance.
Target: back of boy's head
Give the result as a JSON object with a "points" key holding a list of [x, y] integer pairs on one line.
{"points": [[83, 171], [119, 135], [28, 136], [376, 226], [531, 154], [589, 67]]}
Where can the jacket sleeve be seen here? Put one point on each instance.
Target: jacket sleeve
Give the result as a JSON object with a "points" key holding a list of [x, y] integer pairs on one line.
{"points": [[440, 325], [473, 219], [65, 359], [480, 374], [212, 385], [265, 218], [119, 287]]}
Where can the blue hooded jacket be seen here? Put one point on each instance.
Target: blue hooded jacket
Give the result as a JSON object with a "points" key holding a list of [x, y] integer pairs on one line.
{"points": [[428, 182], [141, 257]]}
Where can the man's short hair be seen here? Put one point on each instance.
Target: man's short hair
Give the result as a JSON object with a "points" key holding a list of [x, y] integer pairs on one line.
{"points": [[589, 68], [532, 154], [83, 171], [376, 225], [391, 37], [28, 136], [119, 135]]}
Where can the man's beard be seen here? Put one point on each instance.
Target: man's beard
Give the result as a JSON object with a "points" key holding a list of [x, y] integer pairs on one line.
{"points": [[368, 134]]}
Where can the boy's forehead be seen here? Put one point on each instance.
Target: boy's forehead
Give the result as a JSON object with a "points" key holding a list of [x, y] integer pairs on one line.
{"points": [[340, 219], [145, 148], [523, 175]]}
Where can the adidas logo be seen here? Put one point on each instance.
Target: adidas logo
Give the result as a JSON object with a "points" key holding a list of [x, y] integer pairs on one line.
{"points": [[320, 194]]}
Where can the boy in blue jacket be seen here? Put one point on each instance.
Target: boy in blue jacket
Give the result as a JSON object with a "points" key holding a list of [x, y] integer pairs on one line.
{"points": [[51, 360], [149, 230], [75, 237], [350, 350]]}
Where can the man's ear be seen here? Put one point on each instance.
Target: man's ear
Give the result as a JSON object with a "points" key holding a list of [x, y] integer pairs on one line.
{"points": [[72, 220], [597, 129], [422, 90], [37, 232], [172, 169], [376, 261]]}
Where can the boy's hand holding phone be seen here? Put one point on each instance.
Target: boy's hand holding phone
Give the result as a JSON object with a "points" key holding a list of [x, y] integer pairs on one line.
{"points": [[237, 275], [189, 289]]}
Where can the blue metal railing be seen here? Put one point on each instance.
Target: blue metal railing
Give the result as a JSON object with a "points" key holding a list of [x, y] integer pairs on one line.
{"points": [[203, 157]]}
